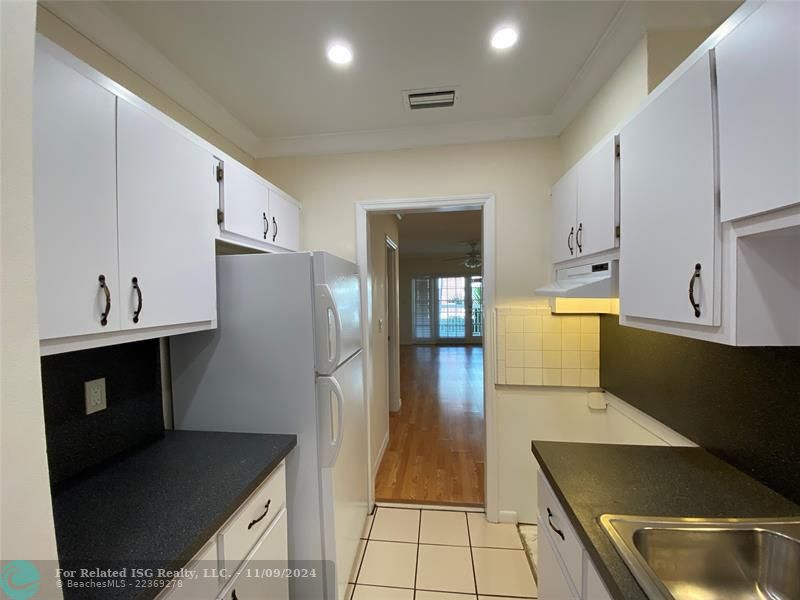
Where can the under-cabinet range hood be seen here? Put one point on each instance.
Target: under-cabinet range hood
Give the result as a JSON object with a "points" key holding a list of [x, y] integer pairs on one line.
{"points": [[598, 280]]}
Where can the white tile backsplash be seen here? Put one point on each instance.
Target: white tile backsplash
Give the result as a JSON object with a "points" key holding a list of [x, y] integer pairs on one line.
{"points": [[535, 347]]}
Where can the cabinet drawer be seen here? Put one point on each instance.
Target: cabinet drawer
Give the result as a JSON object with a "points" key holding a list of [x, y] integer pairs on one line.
{"points": [[205, 586], [256, 579], [566, 542], [244, 529]]}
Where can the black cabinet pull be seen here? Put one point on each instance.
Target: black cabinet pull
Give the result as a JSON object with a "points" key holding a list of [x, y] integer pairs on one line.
{"points": [[107, 292], [274, 229], [579, 237], [135, 282], [266, 225], [695, 277], [553, 527], [569, 240], [266, 510]]}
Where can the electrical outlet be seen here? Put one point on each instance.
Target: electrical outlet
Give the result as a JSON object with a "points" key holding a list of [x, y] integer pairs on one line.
{"points": [[94, 393]]}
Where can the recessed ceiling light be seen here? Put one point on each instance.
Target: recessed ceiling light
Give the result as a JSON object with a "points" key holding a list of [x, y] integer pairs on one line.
{"points": [[339, 53], [505, 37]]}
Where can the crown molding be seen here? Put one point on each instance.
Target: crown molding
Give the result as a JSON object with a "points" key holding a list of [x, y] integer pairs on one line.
{"points": [[409, 137], [100, 24], [620, 37]]}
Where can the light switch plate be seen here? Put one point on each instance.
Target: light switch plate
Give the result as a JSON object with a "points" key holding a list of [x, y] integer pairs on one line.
{"points": [[94, 393]]}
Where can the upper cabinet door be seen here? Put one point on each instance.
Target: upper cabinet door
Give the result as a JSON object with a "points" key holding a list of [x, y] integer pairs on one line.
{"points": [[75, 202], [597, 201], [245, 203], [564, 197], [167, 196], [285, 222], [758, 83], [668, 205]]}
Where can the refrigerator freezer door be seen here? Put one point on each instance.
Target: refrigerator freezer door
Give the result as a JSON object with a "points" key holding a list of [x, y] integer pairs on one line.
{"points": [[344, 483], [338, 311]]}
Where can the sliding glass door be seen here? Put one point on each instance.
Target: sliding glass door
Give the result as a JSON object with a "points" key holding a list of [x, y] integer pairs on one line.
{"points": [[447, 309]]}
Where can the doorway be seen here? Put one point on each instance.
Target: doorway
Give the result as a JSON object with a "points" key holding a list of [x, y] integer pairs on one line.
{"points": [[437, 439]]}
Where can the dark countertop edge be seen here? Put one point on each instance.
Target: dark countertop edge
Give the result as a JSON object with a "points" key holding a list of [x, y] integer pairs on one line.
{"points": [[205, 536], [597, 560]]}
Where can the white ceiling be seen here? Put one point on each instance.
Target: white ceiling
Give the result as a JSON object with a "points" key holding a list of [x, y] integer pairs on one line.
{"points": [[257, 71], [439, 233]]}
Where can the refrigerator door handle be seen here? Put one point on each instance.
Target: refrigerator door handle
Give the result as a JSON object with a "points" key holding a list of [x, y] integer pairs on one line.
{"points": [[330, 320], [330, 433]]}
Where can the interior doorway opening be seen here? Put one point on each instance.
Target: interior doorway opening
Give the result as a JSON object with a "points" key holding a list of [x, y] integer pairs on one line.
{"points": [[436, 447]]}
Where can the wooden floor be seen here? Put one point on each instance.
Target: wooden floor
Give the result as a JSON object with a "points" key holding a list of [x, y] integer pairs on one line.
{"points": [[435, 451]]}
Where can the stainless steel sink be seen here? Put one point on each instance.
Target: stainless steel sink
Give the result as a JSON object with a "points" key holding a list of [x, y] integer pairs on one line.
{"points": [[710, 559]]}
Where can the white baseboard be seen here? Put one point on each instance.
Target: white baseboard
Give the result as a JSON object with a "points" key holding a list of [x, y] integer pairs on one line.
{"points": [[507, 516], [381, 452]]}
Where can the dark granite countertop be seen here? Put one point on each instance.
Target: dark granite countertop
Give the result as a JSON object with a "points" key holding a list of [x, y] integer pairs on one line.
{"points": [[593, 479], [156, 507]]}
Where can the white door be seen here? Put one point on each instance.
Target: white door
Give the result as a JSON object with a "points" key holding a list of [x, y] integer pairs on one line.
{"points": [[75, 201], [758, 83], [564, 197], [285, 221], [167, 196], [344, 456], [245, 203], [596, 229], [338, 311], [668, 207], [258, 578]]}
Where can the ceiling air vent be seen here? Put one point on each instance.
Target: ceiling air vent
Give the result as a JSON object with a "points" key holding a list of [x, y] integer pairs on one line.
{"points": [[431, 98]]}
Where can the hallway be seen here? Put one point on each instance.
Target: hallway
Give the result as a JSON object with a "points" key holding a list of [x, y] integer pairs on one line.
{"points": [[435, 451]]}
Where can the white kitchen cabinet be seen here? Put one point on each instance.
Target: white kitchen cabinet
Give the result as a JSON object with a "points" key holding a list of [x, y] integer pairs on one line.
{"points": [[75, 211], [584, 204], [261, 577], [596, 229], [245, 203], [254, 213], [758, 83], [285, 218], [166, 200], [565, 570], [256, 574], [553, 582], [564, 196], [203, 584], [668, 205]]}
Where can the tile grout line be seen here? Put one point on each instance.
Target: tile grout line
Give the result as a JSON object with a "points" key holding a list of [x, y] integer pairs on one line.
{"points": [[364, 555], [471, 555], [416, 562]]}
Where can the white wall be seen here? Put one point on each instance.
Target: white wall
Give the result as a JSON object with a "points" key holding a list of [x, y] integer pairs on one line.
{"points": [[519, 173], [560, 415], [26, 517], [65, 36], [619, 96]]}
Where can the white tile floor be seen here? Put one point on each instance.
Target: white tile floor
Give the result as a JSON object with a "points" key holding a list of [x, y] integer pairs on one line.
{"points": [[411, 554]]}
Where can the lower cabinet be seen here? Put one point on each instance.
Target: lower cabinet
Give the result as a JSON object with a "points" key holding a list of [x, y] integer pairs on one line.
{"points": [[565, 570], [554, 583], [248, 556], [262, 575]]}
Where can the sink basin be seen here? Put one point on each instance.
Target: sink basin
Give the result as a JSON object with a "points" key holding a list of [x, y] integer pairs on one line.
{"points": [[710, 559]]}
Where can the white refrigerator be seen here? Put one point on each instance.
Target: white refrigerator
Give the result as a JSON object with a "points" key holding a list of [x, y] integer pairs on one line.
{"points": [[286, 357]]}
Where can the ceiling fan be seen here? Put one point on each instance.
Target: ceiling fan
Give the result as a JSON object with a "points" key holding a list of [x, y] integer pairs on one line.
{"points": [[472, 259]]}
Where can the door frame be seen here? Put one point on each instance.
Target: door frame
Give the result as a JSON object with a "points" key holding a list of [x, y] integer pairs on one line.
{"points": [[440, 204], [392, 328]]}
